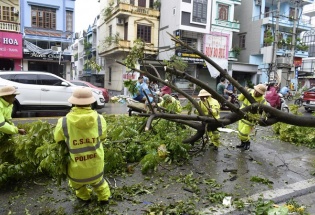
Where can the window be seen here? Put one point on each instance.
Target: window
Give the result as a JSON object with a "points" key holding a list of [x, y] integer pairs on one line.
{"points": [[223, 12], [79, 83], [25, 78], [200, 11], [189, 41], [43, 17], [109, 74], [151, 3], [242, 41], [292, 12], [144, 33], [7, 13], [69, 21], [267, 9], [110, 31], [48, 80], [174, 10], [142, 3], [132, 2]]}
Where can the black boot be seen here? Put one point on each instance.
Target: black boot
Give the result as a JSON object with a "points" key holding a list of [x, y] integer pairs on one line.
{"points": [[241, 145], [247, 145]]}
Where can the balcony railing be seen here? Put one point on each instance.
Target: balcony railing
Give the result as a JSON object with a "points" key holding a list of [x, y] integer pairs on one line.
{"points": [[283, 20], [8, 26], [127, 8], [227, 24]]}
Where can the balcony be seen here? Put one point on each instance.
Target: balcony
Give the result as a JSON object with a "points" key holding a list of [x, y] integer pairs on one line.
{"points": [[284, 21], [124, 10], [126, 46], [10, 26], [234, 26]]}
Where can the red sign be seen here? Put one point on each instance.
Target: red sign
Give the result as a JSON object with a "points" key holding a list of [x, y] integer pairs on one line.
{"points": [[11, 45], [297, 61], [128, 76]]}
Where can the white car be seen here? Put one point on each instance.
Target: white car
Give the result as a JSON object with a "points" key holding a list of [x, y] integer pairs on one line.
{"points": [[43, 91]]}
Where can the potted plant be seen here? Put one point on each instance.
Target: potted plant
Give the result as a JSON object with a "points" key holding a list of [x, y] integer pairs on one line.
{"points": [[268, 39], [236, 50]]}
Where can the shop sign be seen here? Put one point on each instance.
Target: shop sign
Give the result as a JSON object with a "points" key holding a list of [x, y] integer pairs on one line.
{"points": [[131, 76], [216, 47], [11, 45], [51, 56]]}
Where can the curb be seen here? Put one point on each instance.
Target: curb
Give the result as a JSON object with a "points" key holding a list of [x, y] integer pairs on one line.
{"points": [[280, 195]]}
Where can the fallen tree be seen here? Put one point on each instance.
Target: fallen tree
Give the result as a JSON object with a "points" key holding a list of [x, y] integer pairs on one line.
{"points": [[202, 122]]}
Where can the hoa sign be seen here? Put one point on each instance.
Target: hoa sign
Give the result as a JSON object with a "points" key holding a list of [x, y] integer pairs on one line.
{"points": [[11, 45]]}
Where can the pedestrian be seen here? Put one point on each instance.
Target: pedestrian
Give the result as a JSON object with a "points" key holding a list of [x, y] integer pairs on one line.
{"points": [[230, 87], [211, 108], [166, 89], [170, 103], [139, 95], [7, 97], [82, 130], [245, 126], [222, 91]]}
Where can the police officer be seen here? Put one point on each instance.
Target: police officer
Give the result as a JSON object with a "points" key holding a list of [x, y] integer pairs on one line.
{"points": [[245, 126], [210, 107], [82, 129], [7, 97]]}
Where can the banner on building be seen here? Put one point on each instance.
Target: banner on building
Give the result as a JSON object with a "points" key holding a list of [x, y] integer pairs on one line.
{"points": [[216, 47]]}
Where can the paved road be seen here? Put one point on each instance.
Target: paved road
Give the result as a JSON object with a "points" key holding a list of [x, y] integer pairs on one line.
{"points": [[291, 183]]}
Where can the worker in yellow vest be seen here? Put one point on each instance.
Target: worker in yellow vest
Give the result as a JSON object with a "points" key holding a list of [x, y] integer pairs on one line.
{"points": [[7, 97], [211, 108], [245, 126], [82, 129]]}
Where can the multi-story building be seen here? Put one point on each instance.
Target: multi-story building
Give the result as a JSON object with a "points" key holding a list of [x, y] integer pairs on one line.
{"points": [[268, 36], [121, 23], [48, 27], [11, 47], [205, 25], [84, 52]]}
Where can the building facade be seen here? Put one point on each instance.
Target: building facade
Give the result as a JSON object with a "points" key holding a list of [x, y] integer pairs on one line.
{"points": [[269, 37], [11, 45], [48, 27], [205, 25], [121, 23]]}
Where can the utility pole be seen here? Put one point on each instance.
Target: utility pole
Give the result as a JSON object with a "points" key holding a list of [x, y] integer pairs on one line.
{"points": [[293, 41], [275, 44]]}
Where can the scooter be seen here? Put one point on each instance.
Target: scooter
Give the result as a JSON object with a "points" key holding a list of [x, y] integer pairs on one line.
{"points": [[283, 105], [234, 101]]}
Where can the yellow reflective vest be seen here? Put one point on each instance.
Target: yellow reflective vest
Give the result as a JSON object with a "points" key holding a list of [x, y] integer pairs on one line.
{"points": [[6, 125], [260, 99], [83, 129], [210, 103]]}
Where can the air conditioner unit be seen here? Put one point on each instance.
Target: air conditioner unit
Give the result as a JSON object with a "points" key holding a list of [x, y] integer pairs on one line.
{"points": [[120, 21], [257, 2], [56, 48]]}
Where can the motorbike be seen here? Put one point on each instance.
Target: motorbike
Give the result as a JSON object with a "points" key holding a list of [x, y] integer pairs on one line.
{"points": [[234, 101], [288, 96], [299, 101], [283, 105]]}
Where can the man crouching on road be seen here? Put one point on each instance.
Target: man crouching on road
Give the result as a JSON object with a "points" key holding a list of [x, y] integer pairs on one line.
{"points": [[82, 129], [7, 97]]}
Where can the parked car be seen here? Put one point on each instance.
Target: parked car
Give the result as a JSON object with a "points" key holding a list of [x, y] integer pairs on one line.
{"points": [[309, 99], [88, 84], [43, 91]]}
